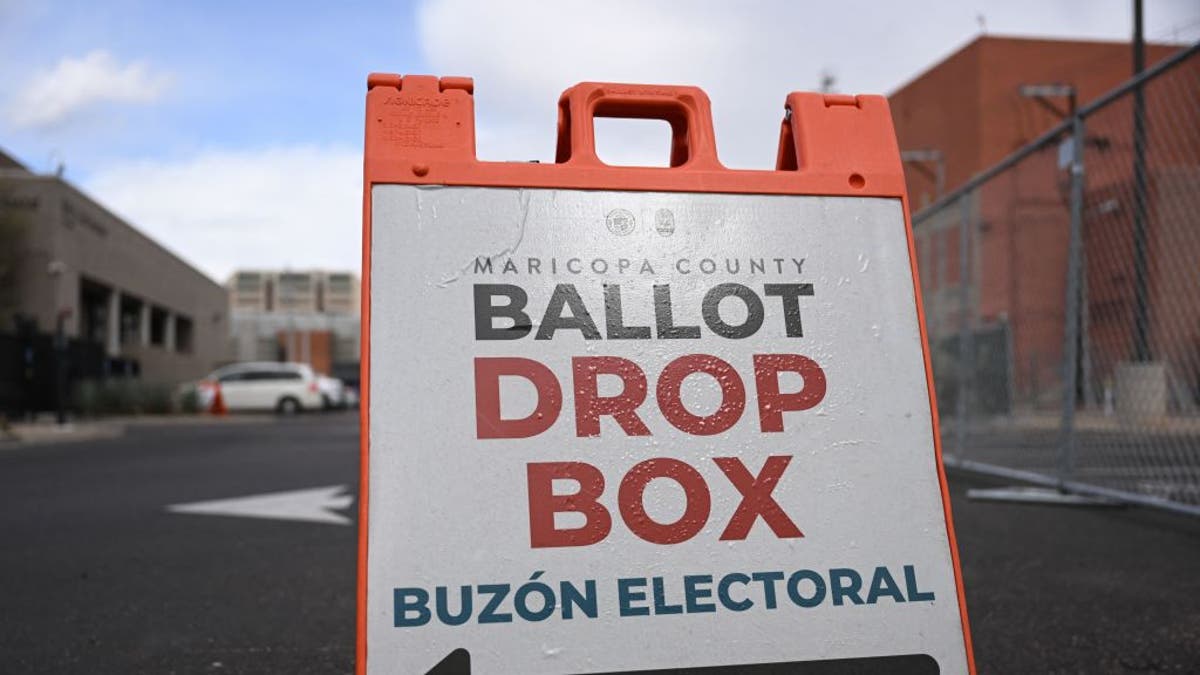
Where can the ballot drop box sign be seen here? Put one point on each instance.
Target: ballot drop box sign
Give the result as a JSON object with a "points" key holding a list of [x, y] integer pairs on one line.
{"points": [[639, 430]]}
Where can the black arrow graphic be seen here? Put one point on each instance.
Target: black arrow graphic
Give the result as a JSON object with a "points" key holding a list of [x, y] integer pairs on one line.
{"points": [[458, 662]]}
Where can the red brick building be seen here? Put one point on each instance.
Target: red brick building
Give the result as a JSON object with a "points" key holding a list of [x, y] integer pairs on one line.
{"points": [[970, 109]]}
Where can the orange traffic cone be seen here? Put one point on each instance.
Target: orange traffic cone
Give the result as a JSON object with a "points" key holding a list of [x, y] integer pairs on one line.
{"points": [[218, 402]]}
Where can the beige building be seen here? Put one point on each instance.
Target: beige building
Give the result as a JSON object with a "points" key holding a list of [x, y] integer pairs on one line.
{"points": [[296, 292], [310, 316], [65, 257]]}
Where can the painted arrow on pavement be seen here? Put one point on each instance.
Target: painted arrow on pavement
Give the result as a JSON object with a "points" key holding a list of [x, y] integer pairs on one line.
{"points": [[312, 505]]}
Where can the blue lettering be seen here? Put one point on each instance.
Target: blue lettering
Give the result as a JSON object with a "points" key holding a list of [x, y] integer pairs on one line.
{"points": [[499, 592], [910, 582], [626, 596], [660, 599], [571, 596], [692, 594], [443, 612], [793, 588], [845, 590], [405, 600], [883, 584], [723, 592], [768, 579], [521, 600]]}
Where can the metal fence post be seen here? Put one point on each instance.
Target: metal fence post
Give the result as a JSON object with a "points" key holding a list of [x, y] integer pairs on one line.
{"points": [[1066, 466], [1141, 312], [965, 367]]}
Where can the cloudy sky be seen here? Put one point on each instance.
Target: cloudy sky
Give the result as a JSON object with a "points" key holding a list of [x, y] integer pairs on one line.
{"points": [[230, 131]]}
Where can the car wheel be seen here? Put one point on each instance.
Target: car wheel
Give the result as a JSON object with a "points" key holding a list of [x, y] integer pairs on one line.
{"points": [[288, 406]]}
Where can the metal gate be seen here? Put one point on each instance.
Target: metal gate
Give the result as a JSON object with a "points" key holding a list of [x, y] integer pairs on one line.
{"points": [[1062, 295]]}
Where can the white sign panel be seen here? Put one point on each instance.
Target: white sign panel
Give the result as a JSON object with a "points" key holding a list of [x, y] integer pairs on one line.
{"points": [[635, 431]]}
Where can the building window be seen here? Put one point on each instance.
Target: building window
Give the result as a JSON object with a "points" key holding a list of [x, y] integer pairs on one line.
{"points": [[158, 326], [295, 291], [249, 282], [339, 293], [339, 283], [183, 335], [131, 320], [93, 310], [296, 282]]}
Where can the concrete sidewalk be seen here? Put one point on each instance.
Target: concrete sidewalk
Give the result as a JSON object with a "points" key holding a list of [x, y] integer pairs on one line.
{"points": [[47, 431]]}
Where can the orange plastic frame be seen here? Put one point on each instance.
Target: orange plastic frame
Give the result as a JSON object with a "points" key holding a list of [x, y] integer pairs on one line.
{"points": [[420, 130]]}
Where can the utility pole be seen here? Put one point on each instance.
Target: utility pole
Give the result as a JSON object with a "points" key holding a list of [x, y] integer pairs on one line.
{"points": [[1073, 162], [1141, 311]]}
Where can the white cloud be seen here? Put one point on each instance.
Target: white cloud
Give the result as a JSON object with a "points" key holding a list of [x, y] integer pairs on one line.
{"points": [[222, 209], [746, 55], [51, 97]]}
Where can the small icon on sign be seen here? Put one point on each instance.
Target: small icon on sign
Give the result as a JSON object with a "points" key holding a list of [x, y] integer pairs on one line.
{"points": [[620, 222], [664, 222]]}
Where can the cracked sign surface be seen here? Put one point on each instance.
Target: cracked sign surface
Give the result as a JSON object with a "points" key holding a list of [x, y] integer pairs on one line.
{"points": [[630, 431]]}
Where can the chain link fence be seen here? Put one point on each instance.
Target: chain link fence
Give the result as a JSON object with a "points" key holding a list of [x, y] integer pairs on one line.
{"points": [[1062, 300]]}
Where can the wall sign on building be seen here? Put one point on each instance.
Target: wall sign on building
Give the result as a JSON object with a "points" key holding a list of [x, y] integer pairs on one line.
{"points": [[626, 419]]}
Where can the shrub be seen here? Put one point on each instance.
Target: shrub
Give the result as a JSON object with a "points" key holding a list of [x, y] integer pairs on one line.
{"points": [[123, 397], [189, 400]]}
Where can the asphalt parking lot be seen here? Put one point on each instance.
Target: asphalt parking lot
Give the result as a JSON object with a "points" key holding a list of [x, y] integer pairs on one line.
{"points": [[98, 575]]}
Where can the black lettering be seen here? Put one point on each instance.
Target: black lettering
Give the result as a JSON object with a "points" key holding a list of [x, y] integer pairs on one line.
{"points": [[565, 296], [711, 311], [614, 318], [486, 312], [790, 295], [664, 318]]}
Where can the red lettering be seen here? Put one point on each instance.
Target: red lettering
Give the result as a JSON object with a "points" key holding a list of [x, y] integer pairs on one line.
{"points": [[756, 498], [543, 504], [771, 403], [733, 395], [633, 511], [589, 405], [488, 371]]}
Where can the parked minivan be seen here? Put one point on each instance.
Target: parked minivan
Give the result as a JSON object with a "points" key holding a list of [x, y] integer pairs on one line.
{"points": [[287, 388]]}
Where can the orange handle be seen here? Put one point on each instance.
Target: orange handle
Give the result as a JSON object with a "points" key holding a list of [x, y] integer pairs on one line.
{"points": [[686, 109]]}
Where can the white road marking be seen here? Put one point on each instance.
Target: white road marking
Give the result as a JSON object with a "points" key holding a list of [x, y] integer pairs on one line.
{"points": [[314, 505]]}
